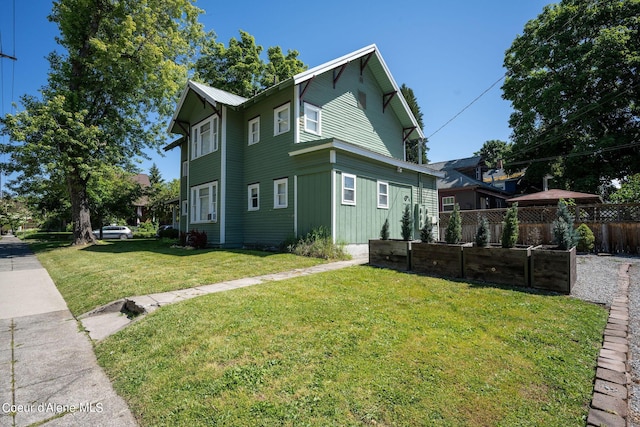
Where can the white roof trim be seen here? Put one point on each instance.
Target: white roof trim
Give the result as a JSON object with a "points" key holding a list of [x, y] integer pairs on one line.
{"points": [[354, 149]]}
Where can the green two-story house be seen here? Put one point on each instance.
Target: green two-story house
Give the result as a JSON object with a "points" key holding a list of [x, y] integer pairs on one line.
{"points": [[323, 148]]}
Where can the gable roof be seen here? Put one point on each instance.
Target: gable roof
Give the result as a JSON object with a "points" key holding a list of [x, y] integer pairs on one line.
{"points": [[370, 54], [457, 180], [468, 162]]}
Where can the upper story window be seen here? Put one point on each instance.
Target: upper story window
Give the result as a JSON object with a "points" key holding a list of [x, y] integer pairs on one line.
{"points": [[281, 119], [348, 189], [254, 130], [383, 195], [362, 100], [204, 137], [312, 116], [280, 193], [204, 203], [448, 202]]}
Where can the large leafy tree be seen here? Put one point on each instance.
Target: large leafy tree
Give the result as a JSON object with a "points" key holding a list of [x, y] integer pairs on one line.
{"points": [[122, 63], [492, 151], [574, 83], [238, 68], [629, 191], [413, 147]]}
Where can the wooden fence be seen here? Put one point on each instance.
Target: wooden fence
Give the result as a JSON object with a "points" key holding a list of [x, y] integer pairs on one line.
{"points": [[616, 227]]}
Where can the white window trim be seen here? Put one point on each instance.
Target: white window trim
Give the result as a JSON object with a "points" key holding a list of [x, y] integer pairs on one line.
{"points": [[344, 178], [213, 203], [196, 147], [278, 110], [277, 182], [250, 206], [448, 204], [316, 109], [255, 120], [386, 184]]}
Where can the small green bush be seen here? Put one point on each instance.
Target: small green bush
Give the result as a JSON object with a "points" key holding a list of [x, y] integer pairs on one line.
{"points": [[407, 224], [384, 232], [510, 227], [564, 235], [426, 233], [483, 234], [453, 233], [586, 239], [318, 243]]}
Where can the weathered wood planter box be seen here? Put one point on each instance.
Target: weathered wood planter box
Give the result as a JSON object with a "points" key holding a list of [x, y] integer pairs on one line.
{"points": [[496, 264], [553, 270], [440, 259], [395, 254]]}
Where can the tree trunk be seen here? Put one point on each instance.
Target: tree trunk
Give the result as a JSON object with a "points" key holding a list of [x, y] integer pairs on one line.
{"points": [[80, 215]]}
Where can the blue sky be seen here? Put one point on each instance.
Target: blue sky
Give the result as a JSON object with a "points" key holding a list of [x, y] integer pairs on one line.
{"points": [[447, 52]]}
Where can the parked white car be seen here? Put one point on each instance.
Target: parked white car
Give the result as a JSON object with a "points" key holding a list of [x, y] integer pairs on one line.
{"points": [[114, 232]]}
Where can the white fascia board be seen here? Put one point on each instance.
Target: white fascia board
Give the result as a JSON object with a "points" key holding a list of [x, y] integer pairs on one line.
{"points": [[359, 151], [327, 66], [183, 96]]}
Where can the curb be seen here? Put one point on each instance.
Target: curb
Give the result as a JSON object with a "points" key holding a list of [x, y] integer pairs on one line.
{"points": [[609, 407]]}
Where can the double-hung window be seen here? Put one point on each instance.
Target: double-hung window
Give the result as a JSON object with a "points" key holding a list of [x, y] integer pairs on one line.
{"points": [[383, 195], [312, 115], [204, 203], [204, 137], [280, 193], [254, 130], [448, 202], [281, 119], [253, 197], [348, 189]]}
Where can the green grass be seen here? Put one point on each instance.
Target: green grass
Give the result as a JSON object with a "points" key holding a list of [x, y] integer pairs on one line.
{"points": [[91, 276], [360, 346]]}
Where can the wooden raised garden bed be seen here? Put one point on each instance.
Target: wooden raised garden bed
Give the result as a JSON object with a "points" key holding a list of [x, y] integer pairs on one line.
{"points": [[495, 264], [440, 259], [553, 270], [395, 254]]}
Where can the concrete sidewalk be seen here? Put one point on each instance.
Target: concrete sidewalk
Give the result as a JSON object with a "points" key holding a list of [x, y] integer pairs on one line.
{"points": [[48, 370]]}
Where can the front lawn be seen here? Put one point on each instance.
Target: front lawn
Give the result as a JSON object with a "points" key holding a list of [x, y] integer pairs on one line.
{"points": [[91, 276], [360, 346]]}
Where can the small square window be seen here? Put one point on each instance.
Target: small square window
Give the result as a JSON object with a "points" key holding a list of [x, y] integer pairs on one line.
{"points": [[280, 193], [383, 195], [348, 189], [185, 168], [254, 130], [312, 116], [281, 119], [362, 100], [253, 197], [448, 202], [185, 207]]}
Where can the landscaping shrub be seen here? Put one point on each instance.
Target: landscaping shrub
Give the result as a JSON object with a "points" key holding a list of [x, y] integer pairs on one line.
{"points": [[453, 234], [169, 233], [483, 234], [146, 230], [318, 243], [510, 227], [564, 235], [384, 232], [426, 233], [586, 239], [407, 224], [197, 239]]}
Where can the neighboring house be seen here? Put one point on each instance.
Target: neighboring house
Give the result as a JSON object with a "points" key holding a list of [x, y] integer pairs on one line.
{"points": [[499, 178], [463, 184], [141, 205], [323, 148]]}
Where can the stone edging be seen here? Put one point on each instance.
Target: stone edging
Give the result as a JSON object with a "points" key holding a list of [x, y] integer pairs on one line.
{"points": [[609, 405]]}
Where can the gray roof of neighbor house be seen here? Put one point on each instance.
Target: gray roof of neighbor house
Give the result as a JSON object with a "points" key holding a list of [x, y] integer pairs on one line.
{"points": [[454, 179], [469, 162], [369, 56]]}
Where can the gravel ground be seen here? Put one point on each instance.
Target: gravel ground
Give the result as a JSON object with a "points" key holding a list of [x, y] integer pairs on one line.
{"points": [[598, 282]]}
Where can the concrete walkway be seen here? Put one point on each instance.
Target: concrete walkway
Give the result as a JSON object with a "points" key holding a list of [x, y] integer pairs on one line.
{"points": [[48, 370], [110, 318]]}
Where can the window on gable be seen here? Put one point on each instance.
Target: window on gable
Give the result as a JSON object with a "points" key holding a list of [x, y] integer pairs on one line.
{"points": [[281, 119], [204, 137], [362, 100], [204, 202], [448, 202], [253, 197], [280, 193], [383, 195], [312, 115], [348, 189], [254, 130]]}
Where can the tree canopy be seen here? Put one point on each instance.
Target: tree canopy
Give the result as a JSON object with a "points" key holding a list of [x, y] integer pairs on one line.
{"points": [[122, 64], [573, 81], [413, 146], [492, 151], [239, 69]]}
